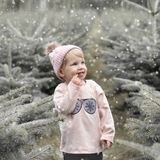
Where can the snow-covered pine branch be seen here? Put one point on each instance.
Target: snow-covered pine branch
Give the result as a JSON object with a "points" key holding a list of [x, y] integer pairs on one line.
{"points": [[24, 120], [152, 151]]}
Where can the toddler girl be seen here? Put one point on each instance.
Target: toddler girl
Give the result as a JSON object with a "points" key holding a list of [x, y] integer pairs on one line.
{"points": [[88, 118]]}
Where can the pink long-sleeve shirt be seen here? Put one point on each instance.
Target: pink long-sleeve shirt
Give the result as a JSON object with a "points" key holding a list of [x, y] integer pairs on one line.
{"points": [[88, 118]]}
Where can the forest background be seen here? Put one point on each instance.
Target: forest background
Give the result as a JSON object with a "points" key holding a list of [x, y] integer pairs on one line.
{"points": [[120, 40]]}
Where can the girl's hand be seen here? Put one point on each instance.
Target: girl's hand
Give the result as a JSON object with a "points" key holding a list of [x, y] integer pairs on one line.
{"points": [[77, 81], [108, 143]]}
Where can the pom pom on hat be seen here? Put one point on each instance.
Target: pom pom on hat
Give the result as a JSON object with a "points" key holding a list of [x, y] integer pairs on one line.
{"points": [[57, 54], [51, 47]]}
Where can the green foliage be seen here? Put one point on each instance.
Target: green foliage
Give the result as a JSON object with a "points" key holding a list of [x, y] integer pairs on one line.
{"points": [[41, 153], [146, 100], [12, 77], [32, 44], [133, 52], [27, 45], [17, 79], [152, 151], [22, 120]]}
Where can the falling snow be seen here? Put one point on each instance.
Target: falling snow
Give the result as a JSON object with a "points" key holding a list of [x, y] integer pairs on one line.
{"points": [[119, 39]]}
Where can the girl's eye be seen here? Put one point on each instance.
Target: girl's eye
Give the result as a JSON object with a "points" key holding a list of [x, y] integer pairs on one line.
{"points": [[83, 63], [73, 64]]}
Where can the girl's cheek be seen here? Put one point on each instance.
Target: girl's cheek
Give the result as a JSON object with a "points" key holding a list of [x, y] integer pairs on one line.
{"points": [[71, 76]]}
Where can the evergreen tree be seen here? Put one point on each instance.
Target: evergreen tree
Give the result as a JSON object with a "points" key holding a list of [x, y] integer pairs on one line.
{"points": [[144, 129], [152, 152], [23, 119], [135, 54], [12, 77], [27, 48]]}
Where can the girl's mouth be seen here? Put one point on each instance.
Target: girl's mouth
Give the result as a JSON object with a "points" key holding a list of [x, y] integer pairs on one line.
{"points": [[80, 74]]}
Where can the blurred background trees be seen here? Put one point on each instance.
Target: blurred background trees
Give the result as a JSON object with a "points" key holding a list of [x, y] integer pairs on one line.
{"points": [[14, 5], [119, 38]]}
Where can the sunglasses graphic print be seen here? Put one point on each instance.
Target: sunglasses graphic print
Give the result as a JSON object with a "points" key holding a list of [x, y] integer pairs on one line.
{"points": [[89, 106]]}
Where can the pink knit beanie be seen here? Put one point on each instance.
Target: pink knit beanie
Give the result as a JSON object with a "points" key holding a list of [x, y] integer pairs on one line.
{"points": [[57, 54]]}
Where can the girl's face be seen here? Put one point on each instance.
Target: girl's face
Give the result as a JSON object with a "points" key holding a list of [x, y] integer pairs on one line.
{"points": [[74, 64]]}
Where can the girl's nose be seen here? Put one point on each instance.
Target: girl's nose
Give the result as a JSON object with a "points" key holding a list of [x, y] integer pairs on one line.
{"points": [[80, 66]]}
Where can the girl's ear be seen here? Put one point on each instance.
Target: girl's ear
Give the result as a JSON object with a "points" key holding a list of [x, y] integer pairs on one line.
{"points": [[61, 73]]}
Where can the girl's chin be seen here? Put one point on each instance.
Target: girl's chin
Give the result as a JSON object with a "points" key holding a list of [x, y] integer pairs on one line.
{"points": [[81, 77]]}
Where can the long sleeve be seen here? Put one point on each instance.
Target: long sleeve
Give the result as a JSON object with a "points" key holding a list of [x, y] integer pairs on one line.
{"points": [[82, 130], [65, 97], [106, 119]]}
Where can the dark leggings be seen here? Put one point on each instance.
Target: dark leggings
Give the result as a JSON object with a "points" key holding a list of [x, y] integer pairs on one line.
{"points": [[95, 156]]}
